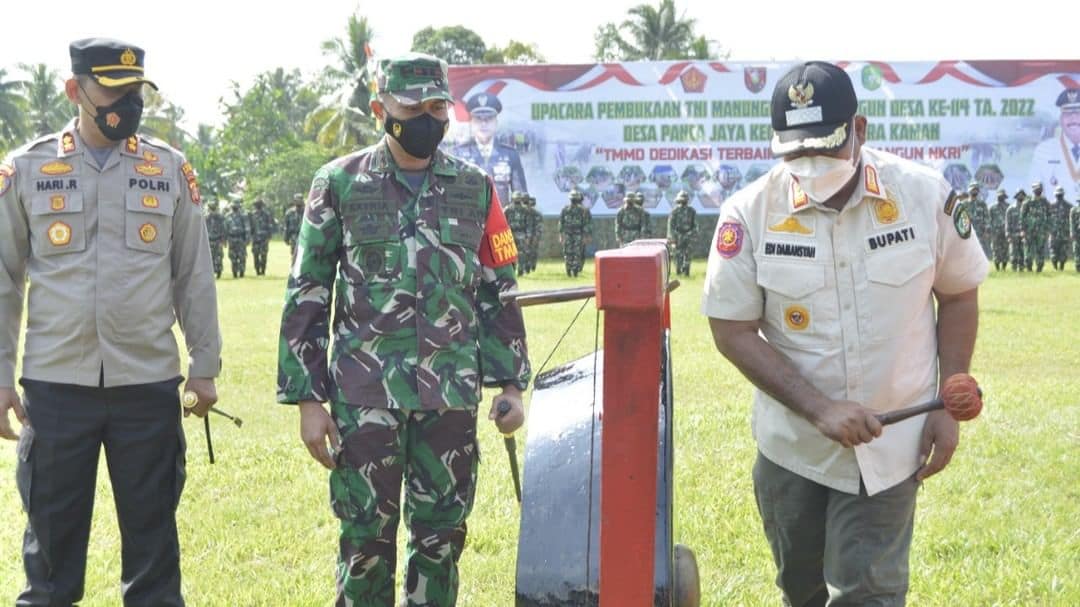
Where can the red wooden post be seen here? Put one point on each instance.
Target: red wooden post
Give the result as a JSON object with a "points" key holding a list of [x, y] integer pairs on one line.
{"points": [[631, 289]]}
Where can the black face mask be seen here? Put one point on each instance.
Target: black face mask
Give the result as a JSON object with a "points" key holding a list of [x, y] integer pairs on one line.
{"points": [[119, 120], [419, 136]]}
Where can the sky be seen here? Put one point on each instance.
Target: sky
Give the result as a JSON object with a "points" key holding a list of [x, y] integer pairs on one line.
{"points": [[196, 48]]}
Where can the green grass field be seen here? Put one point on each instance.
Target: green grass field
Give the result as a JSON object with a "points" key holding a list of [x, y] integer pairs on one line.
{"points": [[1001, 526]]}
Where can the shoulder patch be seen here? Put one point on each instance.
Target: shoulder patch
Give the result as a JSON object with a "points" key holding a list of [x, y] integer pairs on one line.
{"points": [[962, 221], [7, 177], [192, 181], [950, 203], [729, 238]]}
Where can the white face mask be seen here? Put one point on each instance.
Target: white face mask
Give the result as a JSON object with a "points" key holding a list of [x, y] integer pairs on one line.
{"points": [[821, 177]]}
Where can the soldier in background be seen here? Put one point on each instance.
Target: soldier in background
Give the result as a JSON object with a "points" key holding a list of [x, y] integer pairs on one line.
{"points": [[1035, 217], [980, 217], [575, 230], [999, 236], [215, 230], [262, 228], [238, 234], [1059, 229], [518, 220], [632, 220], [1015, 230], [1074, 233], [293, 218], [536, 232], [681, 230]]}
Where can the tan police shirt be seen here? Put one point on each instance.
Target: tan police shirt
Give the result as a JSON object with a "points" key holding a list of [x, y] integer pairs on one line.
{"points": [[848, 297], [114, 257]]}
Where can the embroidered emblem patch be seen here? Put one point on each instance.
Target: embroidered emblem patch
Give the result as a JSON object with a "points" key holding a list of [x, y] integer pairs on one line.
{"points": [[148, 233], [796, 317], [729, 239], [59, 233]]}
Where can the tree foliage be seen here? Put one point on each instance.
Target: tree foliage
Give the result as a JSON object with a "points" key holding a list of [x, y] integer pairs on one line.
{"points": [[651, 33], [457, 45]]}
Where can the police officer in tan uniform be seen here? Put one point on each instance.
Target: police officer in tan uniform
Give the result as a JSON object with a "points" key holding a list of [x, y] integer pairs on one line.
{"points": [[108, 227]]}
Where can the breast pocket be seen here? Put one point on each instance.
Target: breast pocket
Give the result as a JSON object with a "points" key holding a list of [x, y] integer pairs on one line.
{"points": [[372, 244], [148, 222], [57, 223], [461, 232], [899, 282], [799, 309]]}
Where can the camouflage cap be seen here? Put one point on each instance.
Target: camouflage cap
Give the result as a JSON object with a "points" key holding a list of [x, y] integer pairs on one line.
{"points": [[576, 196], [531, 200], [414, 78], [638, 197], [517, 196], [1059, 191], [1036, 186], [1020, 194], [1002, 193], [682, 196], [298, 198], [974, 185]]}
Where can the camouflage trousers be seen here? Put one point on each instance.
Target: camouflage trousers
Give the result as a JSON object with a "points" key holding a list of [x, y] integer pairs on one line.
{"points": [[533, 254], [1035, 249], [1059, 250], [1016, 252], [984, 240], [238, 256], [573, 251], [523, 254], [217, 255], [259, 249], [681, 249], [436, 454], [1076, 254], [1001, 250]]}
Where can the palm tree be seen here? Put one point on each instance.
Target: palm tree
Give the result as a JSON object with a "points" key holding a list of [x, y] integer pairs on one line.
{"points": [[48, 107], [12, 111], [344, 119], [651, 33], [161, 118]]}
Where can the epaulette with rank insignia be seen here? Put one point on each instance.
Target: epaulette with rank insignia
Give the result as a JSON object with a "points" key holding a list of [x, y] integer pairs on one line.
{"points": [[950, 203]]}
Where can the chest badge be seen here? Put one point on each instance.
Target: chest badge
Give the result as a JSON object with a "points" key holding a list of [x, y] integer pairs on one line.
{"points": [[57, 202], [148, 233], [796, 317], [59, 234]]}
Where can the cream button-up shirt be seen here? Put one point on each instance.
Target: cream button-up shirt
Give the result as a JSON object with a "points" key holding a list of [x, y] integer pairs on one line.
{"points": [[115, 256], [848, 297]]}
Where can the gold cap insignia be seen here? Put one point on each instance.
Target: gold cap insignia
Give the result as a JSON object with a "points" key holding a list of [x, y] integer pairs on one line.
{"points": [[801, 95], [128, 57]]}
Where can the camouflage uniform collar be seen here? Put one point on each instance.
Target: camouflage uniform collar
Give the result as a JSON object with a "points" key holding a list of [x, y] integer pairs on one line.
{"points": [[383, 162]]}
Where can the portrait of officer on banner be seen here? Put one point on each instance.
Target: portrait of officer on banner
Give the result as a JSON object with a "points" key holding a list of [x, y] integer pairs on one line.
{"points": [[1056, 161], [501, 162]]}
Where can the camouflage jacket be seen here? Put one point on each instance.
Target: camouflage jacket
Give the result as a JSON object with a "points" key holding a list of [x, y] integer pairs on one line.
{"points": [[1074, 223], [236, 226], [262, 225], [1035, 215], [575, 220], [414, 282], [292, 224], [534, 224], [980, 217], [682, 223], [215, 226], [517, 217], [631, 222], [1059, 220], [997, 218], [1012, 222]]}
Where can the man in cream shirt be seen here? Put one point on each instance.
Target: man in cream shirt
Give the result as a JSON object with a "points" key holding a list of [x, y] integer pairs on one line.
{"points": [[821, 288]]}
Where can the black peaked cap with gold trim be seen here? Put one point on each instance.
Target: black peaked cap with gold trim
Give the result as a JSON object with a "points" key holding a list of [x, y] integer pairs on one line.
{"points": [[110, 62]]}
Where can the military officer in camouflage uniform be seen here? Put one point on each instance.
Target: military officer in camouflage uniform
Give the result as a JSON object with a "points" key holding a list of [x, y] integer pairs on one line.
{"points": [[1035, 217], [536, 232], [999, 237], [410, 249], [262, 228], [1074, 233], [1015, 229], [632, 220], [215, 231], [575, 231], [518, 220], [1059, 229], [980, 217], [238, 233], [107, 225], [292, 223], [681, 230]]}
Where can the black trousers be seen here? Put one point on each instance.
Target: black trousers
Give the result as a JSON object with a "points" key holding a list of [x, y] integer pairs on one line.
{"points": [[56, 473]]}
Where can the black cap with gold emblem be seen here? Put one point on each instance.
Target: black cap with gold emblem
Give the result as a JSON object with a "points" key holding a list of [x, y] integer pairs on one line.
{"points": [[811, 107], [110, 62]]}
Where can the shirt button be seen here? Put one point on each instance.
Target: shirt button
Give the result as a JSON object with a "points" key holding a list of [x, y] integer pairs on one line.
{"points": [[847, 307], [843, 264]]}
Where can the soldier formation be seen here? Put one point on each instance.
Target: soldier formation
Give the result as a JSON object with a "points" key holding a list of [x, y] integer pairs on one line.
{"points": [[1025, 234], [237, 228]]}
